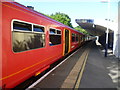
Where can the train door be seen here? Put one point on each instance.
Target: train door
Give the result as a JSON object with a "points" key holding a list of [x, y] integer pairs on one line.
{"points": [[67, 41]]}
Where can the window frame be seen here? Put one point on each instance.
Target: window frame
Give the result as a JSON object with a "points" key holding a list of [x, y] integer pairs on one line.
{"points": [[60, 31], [55, 34], [74, 37], [32, 31], [32, 24], [18, 29], [39, 26], [77, 37], [55, 31], [52, 33]]}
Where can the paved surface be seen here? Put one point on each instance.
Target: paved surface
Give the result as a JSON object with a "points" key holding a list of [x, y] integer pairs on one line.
{"points": [[74, 78], [113, 66], [99, 72]]}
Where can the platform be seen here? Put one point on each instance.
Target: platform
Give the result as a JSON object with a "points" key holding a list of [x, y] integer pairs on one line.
{"points": [[86, 68]]}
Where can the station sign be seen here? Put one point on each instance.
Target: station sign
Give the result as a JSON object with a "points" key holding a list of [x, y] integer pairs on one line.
{"points": [[85, 20]]}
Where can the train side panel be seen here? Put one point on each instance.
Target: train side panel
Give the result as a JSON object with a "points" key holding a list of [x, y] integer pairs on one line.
{"points": [[21, 28], [19, 66]]}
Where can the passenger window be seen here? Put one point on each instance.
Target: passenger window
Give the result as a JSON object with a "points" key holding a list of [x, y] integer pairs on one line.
{"points": [[54, 38], [77, 37], [58, 32], [23, 41], [38, 28], [73, 37], [52, 31], [22, 26]]}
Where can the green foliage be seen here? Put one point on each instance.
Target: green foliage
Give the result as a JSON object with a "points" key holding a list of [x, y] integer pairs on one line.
{"points": [[81, 30], [61, 17], [65, 19]]}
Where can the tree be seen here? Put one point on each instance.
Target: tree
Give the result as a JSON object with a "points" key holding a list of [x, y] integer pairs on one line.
{"points": [[81, 30], [61, 17], [65, 19]]}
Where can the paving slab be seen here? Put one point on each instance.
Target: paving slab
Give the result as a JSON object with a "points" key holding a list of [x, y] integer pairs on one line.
{"points": [[96, 73]]}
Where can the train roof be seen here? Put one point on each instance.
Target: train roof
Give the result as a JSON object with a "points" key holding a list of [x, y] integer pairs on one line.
{"points": [[38, 13]]}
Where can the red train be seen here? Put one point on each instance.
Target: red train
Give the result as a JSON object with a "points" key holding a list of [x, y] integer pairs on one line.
{"points": [[31, 42]]}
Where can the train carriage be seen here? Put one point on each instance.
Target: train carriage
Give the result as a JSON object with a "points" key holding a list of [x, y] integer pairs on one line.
{"points": [[31, 42]]}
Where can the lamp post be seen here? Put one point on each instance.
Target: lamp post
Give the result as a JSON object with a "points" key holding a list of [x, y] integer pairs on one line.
{"points": [[107, 31]]}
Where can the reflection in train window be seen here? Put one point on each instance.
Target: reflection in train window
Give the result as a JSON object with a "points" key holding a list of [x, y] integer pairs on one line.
{"points": [[38, 28], [52, 31], [22, 41], [54, 38]]}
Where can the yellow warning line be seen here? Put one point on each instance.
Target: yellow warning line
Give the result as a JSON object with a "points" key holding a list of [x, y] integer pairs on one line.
{"points": [[74, 77], [81, 72]]}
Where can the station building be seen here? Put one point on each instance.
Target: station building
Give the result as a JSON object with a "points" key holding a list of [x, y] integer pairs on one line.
{"points": [[99, 28]]}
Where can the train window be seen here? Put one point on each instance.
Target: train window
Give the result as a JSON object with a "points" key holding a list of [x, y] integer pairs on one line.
{"points": [[77, 38], [73, 37], [52, 31], [38, 28], [55, 38], [58, 32], [22, 26], [81, 38], [23, 41]]}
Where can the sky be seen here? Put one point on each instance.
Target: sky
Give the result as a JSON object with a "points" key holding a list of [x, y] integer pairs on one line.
{"points": [[75, 9]]}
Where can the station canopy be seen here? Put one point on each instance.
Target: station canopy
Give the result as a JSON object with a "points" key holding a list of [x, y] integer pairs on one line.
{"points": [[96, 27]]}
